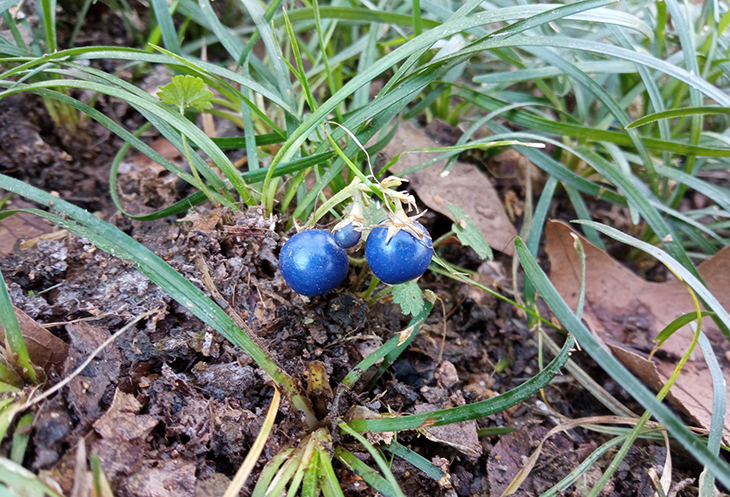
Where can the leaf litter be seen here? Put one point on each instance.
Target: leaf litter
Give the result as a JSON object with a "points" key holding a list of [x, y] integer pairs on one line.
{"points": [[626, 313]]}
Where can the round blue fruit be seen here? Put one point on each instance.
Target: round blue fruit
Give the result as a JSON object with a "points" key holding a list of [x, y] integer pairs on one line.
{"points": [[403, 258], [347, 236], [312, 263]]}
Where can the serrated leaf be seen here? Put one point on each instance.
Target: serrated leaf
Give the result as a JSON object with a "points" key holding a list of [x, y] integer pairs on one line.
{"points": [[186, 91], [468, 233], [409, 297]]}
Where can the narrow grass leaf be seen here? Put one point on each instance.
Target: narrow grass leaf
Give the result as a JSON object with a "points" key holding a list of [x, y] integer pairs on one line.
{"points": [[18, 479], [683, 112], [719, 403], [417, 460], [676, 324], [21, 437], [619, 373], [582, 211], [471, 411], [368, 474], [328, 481], [270, 470], [167, 27], [48, 18], [13, 333], [583, 467], [717, 193], [378, 457]]}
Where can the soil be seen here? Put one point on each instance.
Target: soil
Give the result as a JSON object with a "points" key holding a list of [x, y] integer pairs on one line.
{"points": [[172, 408]]}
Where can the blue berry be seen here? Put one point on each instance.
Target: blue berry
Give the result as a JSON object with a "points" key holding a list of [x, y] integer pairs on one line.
{"points": [[402, 259], [347, 236], [312, 263]]}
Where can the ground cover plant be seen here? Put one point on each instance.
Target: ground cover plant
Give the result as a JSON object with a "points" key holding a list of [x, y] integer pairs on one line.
{"points": [[310, 328]]}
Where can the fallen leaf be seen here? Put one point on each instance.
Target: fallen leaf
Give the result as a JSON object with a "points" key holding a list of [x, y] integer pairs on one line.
{"points": [[86, 391], [461, 436], [21, 226], [122, 447], [44, 348], [466, 187], [626, 313], [172, 478]]}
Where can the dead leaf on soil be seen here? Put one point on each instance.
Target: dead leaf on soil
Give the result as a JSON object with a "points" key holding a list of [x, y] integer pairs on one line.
{"points": [[45, 349], [86, 390], [627, 312], [461, 436], [466, 187], [122, 422], [21, 226]]}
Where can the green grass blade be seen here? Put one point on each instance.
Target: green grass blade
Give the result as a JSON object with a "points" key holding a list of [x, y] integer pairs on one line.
{"points": [[13, 333], [582, 211], [274, 51], [683, 112], [21, 437], [48, 18], [415, 459], [359, 15], [121, 53], [166, 24], [719, 403], [589, 67], [583, 467], [471, 411], [233, 45], [676, 324], [311, 474], [20, 480], [617, 371], [328, 481], [364, 471], [6, 4], [269, 472], [538, 123], [378, 457], [162, 112]]}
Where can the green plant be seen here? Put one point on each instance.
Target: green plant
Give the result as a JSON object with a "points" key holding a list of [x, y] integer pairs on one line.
{"points": [[609, 136]]}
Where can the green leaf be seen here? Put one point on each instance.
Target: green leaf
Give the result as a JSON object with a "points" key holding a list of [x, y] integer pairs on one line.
{"points": [[19, 481], [475, 410], [684, 112], [186, 91], [433, 471], [468, 233], [409, 297]]}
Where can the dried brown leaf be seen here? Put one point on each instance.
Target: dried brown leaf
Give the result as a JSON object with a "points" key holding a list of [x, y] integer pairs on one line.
{"points": [[21, 226], [45, 349], [466, 186], [626, 312]]}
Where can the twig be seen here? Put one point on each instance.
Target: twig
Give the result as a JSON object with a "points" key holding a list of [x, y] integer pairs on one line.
{"points": [[58, 386]]}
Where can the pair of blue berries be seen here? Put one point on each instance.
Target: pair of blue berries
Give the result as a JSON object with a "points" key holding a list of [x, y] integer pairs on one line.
{"points": [[314, 262]]}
